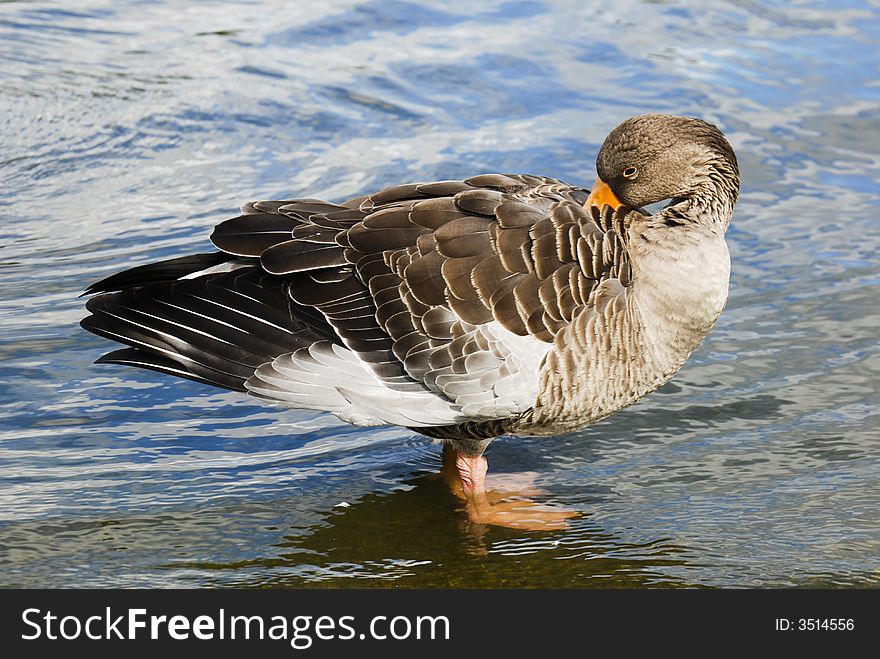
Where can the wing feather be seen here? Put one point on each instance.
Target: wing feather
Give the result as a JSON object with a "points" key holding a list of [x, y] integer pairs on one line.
{"points": [[426, 304]]}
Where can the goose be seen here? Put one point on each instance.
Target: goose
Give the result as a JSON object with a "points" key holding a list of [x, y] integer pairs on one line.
{"points": [[501, 304]]}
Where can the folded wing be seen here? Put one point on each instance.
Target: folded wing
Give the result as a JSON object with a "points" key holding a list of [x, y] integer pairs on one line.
{"points": [[422, 305]]}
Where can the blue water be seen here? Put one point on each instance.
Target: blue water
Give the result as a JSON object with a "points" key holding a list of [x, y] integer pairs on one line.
{"points": [[130, 128]]}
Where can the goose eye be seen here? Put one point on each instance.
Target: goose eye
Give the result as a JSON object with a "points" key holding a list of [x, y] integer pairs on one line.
{"points": [[630, 172]]}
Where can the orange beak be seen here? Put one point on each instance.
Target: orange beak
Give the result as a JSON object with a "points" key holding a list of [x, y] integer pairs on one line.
{"points": [[601, 195]]}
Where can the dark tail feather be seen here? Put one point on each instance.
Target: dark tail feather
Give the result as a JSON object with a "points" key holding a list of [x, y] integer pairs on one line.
{"points": [[157, 272], [154, 362], [216, 329]]}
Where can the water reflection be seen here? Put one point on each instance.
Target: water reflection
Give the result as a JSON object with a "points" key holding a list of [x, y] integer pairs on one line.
{"points": [[418, 536]]}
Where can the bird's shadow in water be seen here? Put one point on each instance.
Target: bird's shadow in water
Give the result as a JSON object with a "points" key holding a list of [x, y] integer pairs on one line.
{"points": [[419, 536]]}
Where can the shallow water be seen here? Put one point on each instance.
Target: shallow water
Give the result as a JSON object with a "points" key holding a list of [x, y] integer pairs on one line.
{"points": [[129, 129]]}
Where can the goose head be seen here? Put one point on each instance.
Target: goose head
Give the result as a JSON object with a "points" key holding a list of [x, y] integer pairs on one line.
{"points": [[656, 157]]}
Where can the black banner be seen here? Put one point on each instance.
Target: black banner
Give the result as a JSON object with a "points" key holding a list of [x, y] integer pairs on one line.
{"points": [[318, 623]]}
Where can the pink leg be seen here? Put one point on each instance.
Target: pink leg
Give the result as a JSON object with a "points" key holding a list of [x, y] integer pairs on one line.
{"points": [[472, 471], [466, 476]]}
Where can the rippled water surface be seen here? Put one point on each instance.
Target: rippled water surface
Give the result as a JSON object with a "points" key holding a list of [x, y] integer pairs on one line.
{"points": [[130, 128]]}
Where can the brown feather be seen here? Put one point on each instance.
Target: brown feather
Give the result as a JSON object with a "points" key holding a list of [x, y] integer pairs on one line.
{"points": [[313, 234], [305, 293], [250, 234], [544, 256], [303, 208], [537, 328], [297, 256], [426, 243], [268, 206], [330, 275], [505, 311], [481, 202], [425, 279], [508, 243], [547, 295], [464, 237], [526, 295], [471, 311], [442, 188], [434, 213], [388, 309], [393, 194], [499, 181], [513, 213], [488, 276], [457, 273], [369, 266], [437, 322]]}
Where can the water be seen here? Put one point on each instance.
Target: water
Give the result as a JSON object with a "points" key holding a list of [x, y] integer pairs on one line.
{"points": [[130, 128]]}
